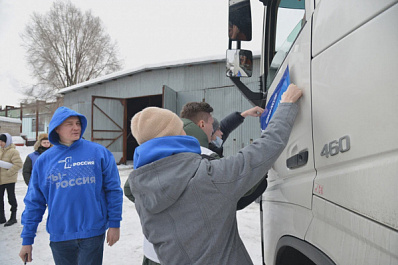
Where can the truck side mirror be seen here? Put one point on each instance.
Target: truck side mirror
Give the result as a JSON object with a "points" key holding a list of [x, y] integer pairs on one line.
{"points": [[239, 63], [239, 21]]}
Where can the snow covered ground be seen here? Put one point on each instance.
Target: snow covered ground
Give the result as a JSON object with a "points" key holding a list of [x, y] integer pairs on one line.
{"points": [[128, 250]]}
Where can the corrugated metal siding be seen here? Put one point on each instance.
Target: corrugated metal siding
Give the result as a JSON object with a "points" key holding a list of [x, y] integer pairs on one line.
{"points": [[192, 82], [150, 83], [226, 101], [189, 96], [27, 126]]}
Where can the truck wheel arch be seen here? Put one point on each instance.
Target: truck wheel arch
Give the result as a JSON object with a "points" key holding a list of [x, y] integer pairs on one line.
{"points": [[292, 250]]}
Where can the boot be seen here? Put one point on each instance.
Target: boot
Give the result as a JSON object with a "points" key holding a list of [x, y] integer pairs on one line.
{"points": [[2, 217], [12, 220]]}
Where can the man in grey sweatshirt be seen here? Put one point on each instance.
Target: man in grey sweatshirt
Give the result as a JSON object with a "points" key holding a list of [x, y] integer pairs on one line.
{"points": [[187, 204]]}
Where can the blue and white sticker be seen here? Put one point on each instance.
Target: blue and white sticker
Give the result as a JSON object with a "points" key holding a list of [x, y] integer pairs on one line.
{"points": [[275, 99]]}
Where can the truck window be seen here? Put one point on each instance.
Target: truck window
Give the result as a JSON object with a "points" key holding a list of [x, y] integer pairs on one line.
{"points": [[289, 24]]}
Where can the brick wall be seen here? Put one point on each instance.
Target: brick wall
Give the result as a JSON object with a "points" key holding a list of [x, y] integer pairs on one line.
{"points": [[10, 127]]}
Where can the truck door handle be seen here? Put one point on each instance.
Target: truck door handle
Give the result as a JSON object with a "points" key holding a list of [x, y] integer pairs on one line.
{"points": [[297, 160]]}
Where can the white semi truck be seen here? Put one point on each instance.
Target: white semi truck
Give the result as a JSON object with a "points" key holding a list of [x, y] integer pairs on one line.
{"points": [[332, 195]]}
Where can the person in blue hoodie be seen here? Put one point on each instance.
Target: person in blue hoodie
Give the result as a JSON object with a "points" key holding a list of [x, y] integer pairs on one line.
{"points": [[79, 184]]}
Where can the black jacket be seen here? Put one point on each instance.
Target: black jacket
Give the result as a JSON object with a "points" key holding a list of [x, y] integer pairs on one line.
{"points": [[227, 125], [28, 165]]}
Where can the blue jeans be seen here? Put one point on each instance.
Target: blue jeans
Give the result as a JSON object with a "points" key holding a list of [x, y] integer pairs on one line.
{"points": [[86, 251]]}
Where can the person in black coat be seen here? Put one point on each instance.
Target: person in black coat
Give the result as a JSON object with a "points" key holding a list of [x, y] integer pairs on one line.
{"points": [[40, 146], [222, 130]]}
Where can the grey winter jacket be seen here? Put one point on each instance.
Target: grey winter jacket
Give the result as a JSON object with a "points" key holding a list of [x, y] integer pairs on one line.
{"points": [[187, 204]]}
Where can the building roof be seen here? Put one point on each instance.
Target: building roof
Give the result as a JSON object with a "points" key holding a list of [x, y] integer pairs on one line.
{"points": [[11, 120], [145, 68]]}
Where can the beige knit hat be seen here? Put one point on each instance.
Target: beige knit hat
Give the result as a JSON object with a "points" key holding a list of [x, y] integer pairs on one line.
{"points": [[155, 122]]}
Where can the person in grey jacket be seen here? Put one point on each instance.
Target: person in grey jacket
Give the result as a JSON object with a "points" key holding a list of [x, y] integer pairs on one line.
{"points": [[187, 204]]}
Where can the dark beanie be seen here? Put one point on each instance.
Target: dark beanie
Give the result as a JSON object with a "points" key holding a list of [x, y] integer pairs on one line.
{"points": [[3, 138]]}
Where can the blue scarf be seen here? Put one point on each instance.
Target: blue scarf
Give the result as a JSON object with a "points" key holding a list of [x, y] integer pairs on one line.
{"points": [[161, 147]]}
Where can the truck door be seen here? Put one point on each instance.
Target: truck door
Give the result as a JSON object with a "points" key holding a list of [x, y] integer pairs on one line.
{"points": [[288, 199], [293, 173]]}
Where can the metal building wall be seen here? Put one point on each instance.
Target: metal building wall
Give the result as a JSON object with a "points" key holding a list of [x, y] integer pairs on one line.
{"points": [[196, 82], [224, 102]]}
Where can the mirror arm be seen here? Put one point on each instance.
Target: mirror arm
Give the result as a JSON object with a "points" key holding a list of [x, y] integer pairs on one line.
{"points": [[254, 98], [230, 44]]}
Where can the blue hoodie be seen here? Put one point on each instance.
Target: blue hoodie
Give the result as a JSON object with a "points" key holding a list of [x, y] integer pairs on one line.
{"points": [[79, 184], [161, 147]]}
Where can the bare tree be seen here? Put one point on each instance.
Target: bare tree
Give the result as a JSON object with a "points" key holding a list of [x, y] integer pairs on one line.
{"points": [[66, 47]]}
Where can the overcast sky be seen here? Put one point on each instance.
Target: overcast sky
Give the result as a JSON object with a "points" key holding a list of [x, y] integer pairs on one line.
{"points": [[147, 32]]}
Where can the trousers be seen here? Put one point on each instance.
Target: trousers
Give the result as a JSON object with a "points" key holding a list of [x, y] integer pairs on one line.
{"points": [[86, 251], [10, 187]]}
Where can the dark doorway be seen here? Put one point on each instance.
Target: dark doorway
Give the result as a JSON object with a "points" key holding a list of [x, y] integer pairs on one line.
{"points": [[135, 105]]}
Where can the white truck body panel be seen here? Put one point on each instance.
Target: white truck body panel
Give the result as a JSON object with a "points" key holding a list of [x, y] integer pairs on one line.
{"points": [[335, 19], [346, 204], [283, 219], [355, 93], [349, 238]]}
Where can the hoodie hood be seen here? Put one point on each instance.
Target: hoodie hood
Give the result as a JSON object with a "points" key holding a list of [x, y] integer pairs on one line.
{"points": [[163, 170], [9, 139], [60, 115], [193, 130], [161, 147]]}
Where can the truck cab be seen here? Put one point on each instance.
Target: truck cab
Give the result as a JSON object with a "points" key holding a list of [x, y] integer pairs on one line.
{"points": [[332, 194]]}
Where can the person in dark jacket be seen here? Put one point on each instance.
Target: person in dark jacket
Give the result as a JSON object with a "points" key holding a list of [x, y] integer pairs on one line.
{"points": [[40, 146], [187, 203], [198, 122], [221, 130]]}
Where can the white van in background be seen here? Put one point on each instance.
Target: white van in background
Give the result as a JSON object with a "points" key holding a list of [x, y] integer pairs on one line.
{"points": [[332, 195]]}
